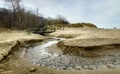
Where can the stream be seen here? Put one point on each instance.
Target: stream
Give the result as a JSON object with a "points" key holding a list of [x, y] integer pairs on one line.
{"points": [[39, 55]]}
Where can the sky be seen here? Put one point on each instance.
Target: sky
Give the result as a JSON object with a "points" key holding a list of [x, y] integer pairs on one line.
{"points": [[102, 13]]}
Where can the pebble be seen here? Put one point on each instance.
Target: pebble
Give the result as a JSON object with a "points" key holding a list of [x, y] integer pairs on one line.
{"points": [[111, 66], [60, 61], [60, 64], [70, 68], [62, 67], [32, 69], [90, 68], [78, 68], [85, 67]]}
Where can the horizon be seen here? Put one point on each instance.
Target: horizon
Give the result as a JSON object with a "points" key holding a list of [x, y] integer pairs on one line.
{"points": [[102, 13]]}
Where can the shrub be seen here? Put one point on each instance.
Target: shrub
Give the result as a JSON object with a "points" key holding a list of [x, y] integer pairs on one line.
{"points": [[82, 25]]}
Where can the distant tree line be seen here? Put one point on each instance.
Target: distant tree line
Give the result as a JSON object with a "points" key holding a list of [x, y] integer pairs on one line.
{"points": [[18, 18]]}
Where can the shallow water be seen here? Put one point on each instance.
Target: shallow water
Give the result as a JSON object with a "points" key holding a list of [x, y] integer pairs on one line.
{"points": [[39, 55]]}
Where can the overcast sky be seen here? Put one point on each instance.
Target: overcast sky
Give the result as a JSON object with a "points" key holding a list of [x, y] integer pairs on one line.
{"points": [[103, 13]]}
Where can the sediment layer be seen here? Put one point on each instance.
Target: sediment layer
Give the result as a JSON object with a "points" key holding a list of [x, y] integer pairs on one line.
{"points": [[91, 47]]}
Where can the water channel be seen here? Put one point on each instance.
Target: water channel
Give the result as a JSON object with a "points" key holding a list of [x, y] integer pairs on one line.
{"points": [[39, 55]]}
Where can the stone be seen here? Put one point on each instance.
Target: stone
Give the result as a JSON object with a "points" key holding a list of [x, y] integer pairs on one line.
{"points": [[43, 65], [78, 68], [110, 66], [32, 69], [64, 67], [53, 67], [90, 68], [70, 68], [85, 67]]}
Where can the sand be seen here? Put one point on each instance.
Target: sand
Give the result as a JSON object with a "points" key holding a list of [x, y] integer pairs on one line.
{"points": [[9, 39], [14, 65]]}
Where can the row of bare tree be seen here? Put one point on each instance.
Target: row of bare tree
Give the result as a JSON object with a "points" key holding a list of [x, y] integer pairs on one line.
{"points": [[18, 18]]}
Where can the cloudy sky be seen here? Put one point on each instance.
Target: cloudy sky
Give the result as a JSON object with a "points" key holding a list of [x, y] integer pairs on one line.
{"points": [[103, 13]]}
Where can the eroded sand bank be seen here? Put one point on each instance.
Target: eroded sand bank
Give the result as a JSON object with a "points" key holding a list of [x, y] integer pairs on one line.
{"points": [[9, 39]]}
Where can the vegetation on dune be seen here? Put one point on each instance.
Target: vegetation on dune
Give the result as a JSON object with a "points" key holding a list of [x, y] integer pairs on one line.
{"points": [[83, 25], [77, 25]]}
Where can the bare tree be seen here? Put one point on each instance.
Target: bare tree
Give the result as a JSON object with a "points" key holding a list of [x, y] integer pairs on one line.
{"points": [[15, 4], [17, 12], [18, 18]]}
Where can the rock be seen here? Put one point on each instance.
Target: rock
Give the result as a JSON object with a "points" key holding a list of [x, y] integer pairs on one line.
{"points": [[64, 67], [43, 65], [90, 68], [102, 67], [111, 66], [70, 68], [52, 66], [78, 68], [32, 69], [85, 67]]}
